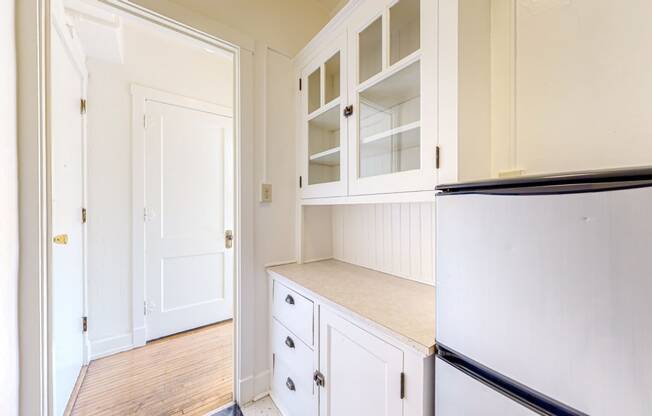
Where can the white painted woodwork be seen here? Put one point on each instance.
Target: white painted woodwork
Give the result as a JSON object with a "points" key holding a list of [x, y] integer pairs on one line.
{"points": [[299, 401], [294, 311], [68, 262], [324, 150], [362, 372], [390, 77], [288, 348], [361, 347], [398, 239], [189, 200]]}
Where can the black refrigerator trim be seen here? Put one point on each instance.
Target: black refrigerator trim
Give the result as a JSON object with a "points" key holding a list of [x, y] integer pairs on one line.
{"points": [[564, 183], [512, 389]]}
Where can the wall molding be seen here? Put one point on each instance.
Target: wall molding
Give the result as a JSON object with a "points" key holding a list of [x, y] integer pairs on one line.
{"points": [[111, 345]]}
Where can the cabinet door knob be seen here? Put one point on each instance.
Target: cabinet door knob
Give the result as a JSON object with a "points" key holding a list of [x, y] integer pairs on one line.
{"points": [[289, 300], [289, 342], [290, 384]]}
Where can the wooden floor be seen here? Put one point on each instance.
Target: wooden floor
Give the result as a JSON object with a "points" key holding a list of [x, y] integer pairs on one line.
{"points": [[185, 374]]}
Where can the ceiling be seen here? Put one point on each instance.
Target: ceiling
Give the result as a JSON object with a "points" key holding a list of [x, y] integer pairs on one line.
{"points": [[286, 25]]}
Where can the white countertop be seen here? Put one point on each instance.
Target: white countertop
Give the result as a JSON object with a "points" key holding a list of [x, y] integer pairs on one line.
{"points": [[403, 308]]}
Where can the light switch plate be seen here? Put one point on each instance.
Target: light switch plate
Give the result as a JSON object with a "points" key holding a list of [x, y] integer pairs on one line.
{"points": [[266, 192]]}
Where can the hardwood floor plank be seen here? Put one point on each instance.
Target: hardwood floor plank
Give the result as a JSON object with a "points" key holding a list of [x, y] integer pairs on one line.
{"points": [[184, 374]]}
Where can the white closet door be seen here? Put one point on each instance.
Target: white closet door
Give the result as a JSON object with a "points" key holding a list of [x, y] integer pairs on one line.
{"points": [[362, 373], [67, 284], [189, 199]]}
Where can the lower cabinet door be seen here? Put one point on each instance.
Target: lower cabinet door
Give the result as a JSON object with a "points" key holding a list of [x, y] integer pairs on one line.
{"points": [[362, 373]]}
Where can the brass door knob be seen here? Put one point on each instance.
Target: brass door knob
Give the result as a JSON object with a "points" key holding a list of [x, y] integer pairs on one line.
{"points": [[60, 239]]}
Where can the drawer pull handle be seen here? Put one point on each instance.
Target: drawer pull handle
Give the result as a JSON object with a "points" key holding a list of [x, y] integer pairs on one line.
{"points": [[289, 342], [289, 300], [290, 384]]}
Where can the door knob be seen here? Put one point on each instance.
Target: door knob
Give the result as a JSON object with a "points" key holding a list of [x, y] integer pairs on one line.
{"points": [[60, 239]]}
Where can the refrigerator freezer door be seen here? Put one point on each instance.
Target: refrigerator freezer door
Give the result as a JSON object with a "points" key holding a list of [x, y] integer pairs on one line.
{"points": [[457, 394], [552, 291]]}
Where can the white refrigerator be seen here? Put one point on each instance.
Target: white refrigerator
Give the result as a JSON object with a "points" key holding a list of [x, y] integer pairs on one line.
{"points": [[544, 296]]}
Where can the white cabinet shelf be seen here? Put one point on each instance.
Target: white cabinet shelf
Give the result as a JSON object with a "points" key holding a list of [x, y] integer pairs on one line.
{"points": [[330, 157], [393, 132]]}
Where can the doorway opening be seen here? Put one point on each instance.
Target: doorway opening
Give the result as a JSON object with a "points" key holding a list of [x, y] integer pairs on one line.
{"points": [[143, 187]]}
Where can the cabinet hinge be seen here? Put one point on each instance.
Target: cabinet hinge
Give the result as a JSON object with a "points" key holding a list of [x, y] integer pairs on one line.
{"points": [[82, 106], [273, 362], [402, 385], [319, 379], [84, 215], [145, 308], [300, 85], [85, 323], [437, 157], [348, 111], [300, 182], [145, 121]]}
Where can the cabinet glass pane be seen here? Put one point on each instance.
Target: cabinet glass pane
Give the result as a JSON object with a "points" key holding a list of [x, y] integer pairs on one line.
{"points": [[404, 29], [370, 50], [314, 90], [332, 78], [324, 147], [389, 128]]}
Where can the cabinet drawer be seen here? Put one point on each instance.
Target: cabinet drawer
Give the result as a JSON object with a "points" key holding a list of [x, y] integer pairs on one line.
{"points": [[294, 311], [292, 351], [294, 395]]}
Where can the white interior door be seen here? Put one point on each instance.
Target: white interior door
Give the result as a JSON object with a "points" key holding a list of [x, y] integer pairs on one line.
{"points": [[189, 208], [362, 372], [67, 278]]}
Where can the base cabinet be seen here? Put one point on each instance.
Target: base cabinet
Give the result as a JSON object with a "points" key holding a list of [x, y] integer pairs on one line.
{"points": [[351, 369], [362, 374]]}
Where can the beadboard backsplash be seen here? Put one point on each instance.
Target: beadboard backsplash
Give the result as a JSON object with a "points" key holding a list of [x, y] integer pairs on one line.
{"points": [[398, 239]]}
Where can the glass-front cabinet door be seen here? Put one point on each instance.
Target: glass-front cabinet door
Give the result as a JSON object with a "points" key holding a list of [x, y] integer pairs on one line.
{"points": [[324, 145], [392, 87]]}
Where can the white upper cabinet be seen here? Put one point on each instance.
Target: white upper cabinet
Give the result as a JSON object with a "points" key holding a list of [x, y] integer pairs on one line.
{"points": [[391, 149], [324, 144], [368, 109]]}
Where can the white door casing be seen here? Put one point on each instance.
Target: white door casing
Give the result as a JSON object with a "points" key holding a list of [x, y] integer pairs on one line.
{"points": [[188, 191], [356, 365], [68, 284]]}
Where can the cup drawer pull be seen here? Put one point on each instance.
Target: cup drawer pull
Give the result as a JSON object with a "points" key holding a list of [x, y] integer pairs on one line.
{"points": [[289, 342], [289, 300], [290, 384]]}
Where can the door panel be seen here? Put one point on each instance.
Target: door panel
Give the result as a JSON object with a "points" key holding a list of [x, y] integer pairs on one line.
{"points": [[189, 190], [362, 372], [67, 286]]}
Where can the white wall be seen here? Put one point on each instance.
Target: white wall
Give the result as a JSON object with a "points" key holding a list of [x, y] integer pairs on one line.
{"points": [[153, 60], [8, 215]]}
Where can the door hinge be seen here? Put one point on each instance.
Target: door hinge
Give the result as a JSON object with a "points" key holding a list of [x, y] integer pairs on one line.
{"points": [[402, 385], [348, 111], [319, 379], [145, 308], [84, 215], [437, 156], [145, 121], [84, 323], [300, 182], [300, 85], [273, 362], [82, 106], [228, 238], [145, 214]]}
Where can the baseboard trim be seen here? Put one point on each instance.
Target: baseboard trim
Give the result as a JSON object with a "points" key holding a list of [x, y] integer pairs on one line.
{"points": [[75, 391], [139, 336], [255, 387], [111, 345]]}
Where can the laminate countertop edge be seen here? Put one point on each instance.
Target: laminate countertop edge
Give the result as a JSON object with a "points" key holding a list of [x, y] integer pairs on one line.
{"points": [[418, 346]]}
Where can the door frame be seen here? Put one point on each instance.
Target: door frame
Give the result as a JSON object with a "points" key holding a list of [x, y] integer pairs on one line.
{"points": [[35, 29], [139, 95], [75, 54]]}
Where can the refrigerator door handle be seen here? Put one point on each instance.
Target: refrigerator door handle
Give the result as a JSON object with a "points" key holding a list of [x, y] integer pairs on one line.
{"points": [[512, 389]]}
